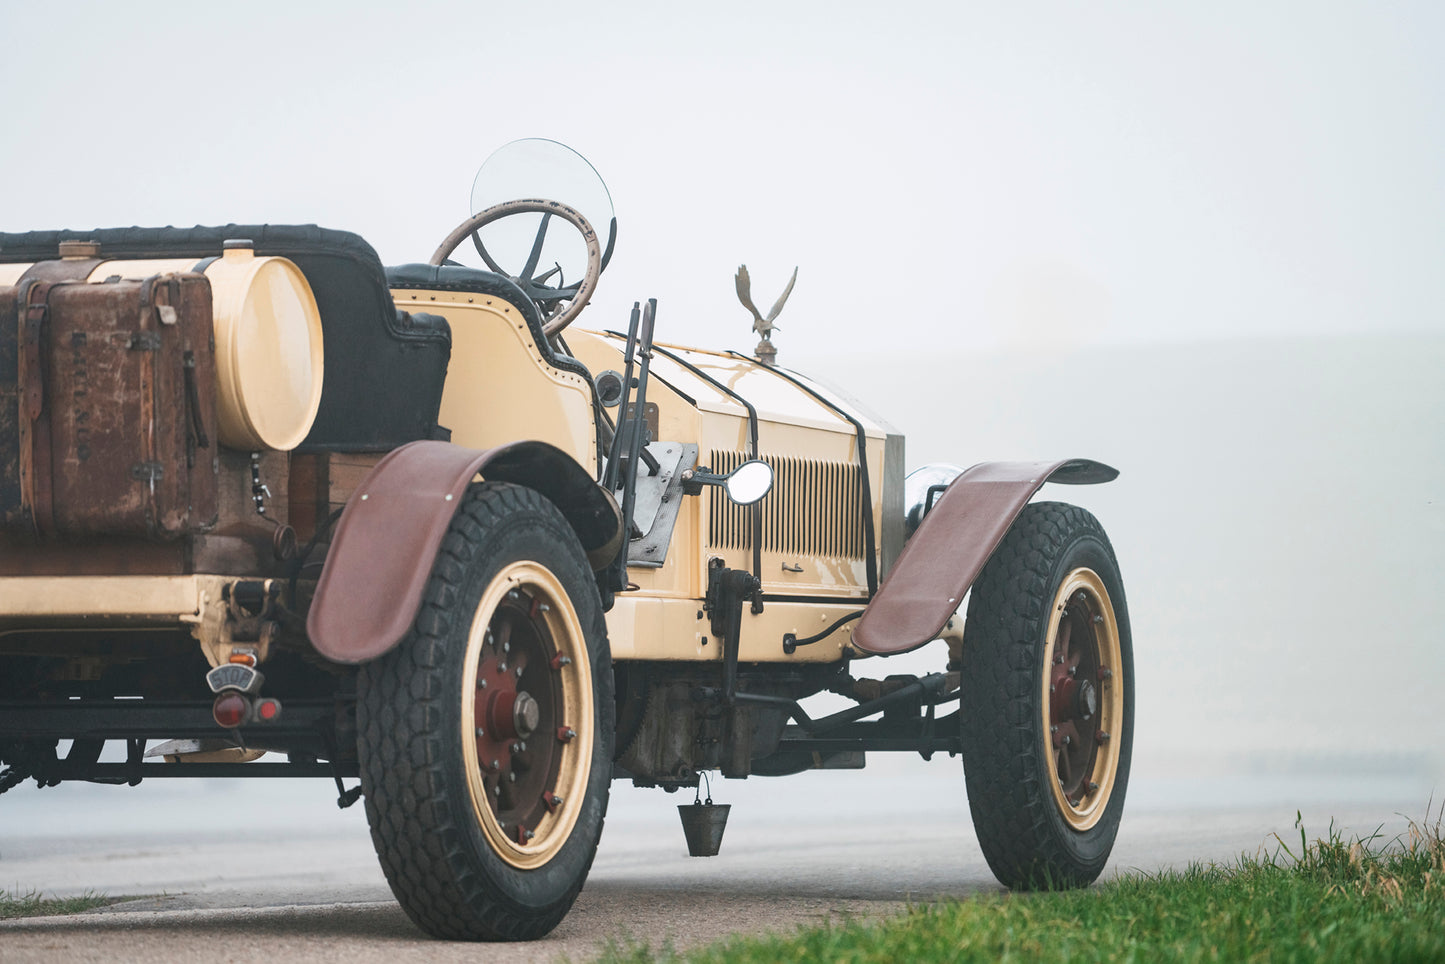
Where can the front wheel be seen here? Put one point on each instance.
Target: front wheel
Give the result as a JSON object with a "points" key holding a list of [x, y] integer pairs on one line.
{"points": [[485, 737], [1048, 700]]}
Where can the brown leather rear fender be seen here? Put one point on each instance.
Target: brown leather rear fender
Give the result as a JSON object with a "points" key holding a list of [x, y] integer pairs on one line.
{"points": [[946, 554], [382, 553]]}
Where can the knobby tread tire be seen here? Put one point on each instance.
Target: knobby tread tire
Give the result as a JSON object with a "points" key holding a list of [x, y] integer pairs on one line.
{"points": [[1007, 770], [444, 874]]}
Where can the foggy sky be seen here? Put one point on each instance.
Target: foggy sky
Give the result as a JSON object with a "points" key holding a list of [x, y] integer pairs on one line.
{"points": [[1001, 174]]}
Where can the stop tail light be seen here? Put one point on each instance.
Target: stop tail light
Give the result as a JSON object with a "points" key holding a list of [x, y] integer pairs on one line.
{"points": [[231, 709]]}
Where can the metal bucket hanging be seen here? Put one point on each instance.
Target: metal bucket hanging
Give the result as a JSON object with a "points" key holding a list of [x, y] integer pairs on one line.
{"points": [[703, 825]]}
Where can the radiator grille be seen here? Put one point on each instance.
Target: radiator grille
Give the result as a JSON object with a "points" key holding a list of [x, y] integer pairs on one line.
{"points": [[814, 509]]}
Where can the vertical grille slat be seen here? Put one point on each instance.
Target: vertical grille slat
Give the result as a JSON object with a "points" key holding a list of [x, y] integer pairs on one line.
{"points": [[815, 508]]}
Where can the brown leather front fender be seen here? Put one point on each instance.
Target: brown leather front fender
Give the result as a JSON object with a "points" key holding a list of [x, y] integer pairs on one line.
{"points": [[381, 555], [943, 558]]}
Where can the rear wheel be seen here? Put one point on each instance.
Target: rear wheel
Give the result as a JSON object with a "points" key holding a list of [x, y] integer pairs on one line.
{"points": [[1048, 701], [485, 737]]}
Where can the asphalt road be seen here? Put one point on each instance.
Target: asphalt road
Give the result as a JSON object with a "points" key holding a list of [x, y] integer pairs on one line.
{"points": [[269, 869]]}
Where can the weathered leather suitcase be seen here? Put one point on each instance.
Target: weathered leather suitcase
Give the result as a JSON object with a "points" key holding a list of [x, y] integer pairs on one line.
{"points": [[114, 415]]}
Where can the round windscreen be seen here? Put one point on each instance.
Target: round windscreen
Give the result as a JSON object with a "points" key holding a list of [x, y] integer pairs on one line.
{"points": [[538, 168]]}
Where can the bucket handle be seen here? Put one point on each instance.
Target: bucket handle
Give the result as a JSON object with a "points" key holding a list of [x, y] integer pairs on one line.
{"points": [[696, 793]]}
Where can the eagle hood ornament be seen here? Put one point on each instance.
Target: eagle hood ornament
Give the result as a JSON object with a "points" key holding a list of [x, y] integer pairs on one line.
{"points": [[765, 352]]}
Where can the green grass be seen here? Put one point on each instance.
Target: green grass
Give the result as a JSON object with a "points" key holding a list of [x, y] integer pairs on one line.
{"points": [[1329, 900], [32, 904]]}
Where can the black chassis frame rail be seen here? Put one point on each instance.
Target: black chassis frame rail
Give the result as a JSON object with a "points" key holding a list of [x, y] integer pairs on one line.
{"points": [[880, 736], [915, 729], [306, 722], [309, 722]]}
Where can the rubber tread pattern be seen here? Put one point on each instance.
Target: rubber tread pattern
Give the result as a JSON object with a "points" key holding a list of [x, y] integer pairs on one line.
{"points": [[1024, 839], [417, 802]]}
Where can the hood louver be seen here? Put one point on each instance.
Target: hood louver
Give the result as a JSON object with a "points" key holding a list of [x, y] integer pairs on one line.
{"points": [[815, 509]]}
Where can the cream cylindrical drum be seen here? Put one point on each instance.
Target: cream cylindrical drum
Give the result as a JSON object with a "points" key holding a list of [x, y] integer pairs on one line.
{"points": [[10, 274], [269, 360]]}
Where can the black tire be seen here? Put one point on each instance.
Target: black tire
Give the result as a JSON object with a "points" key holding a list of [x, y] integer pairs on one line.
{"points": [[1045, 778], [444, 811]]}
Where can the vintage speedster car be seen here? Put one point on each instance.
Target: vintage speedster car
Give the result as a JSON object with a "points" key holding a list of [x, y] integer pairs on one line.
{"points": [[262, 497]]}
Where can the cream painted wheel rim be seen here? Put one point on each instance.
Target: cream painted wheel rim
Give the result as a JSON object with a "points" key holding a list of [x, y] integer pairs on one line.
{"points": [[527, 715], [1082, 698]]}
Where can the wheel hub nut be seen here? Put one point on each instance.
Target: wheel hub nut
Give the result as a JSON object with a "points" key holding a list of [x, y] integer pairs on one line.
{"points": [[526, 714], [1088, 700]]}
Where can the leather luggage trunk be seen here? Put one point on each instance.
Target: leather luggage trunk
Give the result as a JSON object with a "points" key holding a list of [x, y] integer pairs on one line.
{"points": [[112, 432]]}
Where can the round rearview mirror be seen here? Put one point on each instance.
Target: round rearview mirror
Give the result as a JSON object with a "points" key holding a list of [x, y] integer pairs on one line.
{"points": [[749, 482]]}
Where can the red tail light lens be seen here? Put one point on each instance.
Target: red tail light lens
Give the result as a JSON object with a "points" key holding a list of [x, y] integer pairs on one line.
{"points": [[231, 709]]}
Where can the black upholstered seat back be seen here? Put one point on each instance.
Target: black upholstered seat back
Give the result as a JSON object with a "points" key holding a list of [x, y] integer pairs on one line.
{"points": [[447, 277], [384, 371]]}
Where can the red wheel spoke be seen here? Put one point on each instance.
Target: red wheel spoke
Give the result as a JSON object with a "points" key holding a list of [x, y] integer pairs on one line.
{"points": [[505, 799], [1072, 755], [1072, 655]]}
